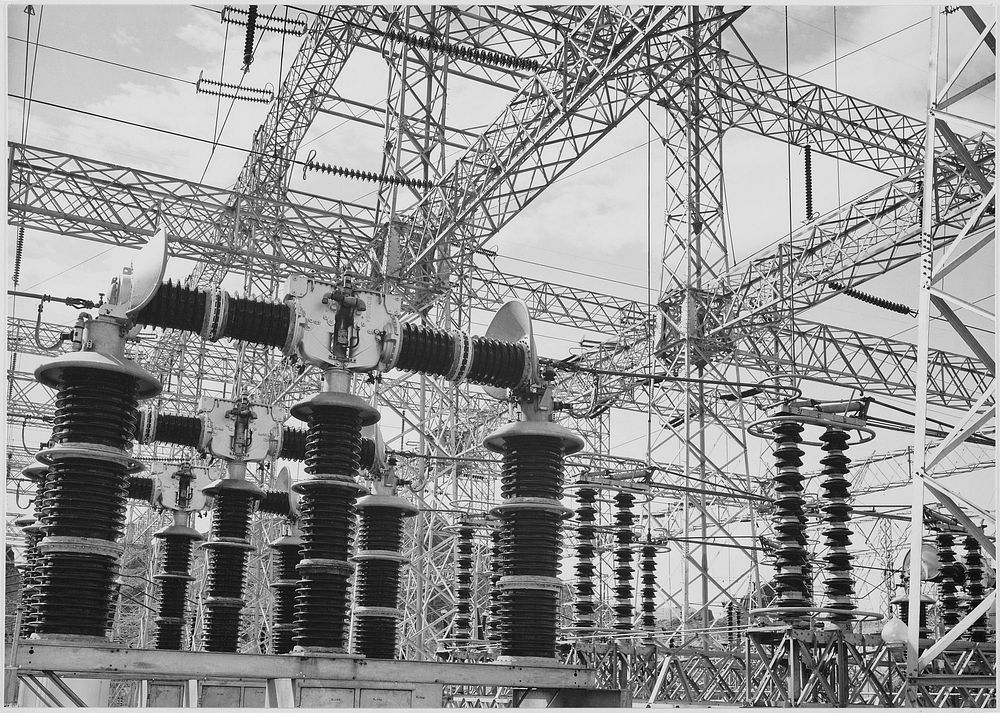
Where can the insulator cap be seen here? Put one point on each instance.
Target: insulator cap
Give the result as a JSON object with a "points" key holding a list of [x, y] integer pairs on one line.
{"points": [[304, 409], [497, 441], [51, 373]]}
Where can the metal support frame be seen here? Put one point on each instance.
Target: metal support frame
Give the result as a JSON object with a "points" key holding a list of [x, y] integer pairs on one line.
{"points": [[934, 257], [439, 232]]}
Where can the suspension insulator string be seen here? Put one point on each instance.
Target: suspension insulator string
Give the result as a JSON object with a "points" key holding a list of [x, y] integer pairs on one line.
{"points": [[251, 24], [312, 164], [586, 535], [872, 299], [470, 54], [18, 254], [215, 88], [809, 185], [791, 565], [264, 22], [624, 571], [839, 582]]}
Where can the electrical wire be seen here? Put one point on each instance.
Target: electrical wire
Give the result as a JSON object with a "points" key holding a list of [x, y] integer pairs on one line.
{"points": [[103, 61]]}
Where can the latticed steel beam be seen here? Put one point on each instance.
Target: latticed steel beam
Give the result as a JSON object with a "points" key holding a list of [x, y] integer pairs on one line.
{"points": [[780, 106], [860, 241], [95, 200], [601, 73]]}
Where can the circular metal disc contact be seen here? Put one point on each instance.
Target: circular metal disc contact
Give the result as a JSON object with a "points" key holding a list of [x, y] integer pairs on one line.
{"points": [[148, 268], [512, 323]]}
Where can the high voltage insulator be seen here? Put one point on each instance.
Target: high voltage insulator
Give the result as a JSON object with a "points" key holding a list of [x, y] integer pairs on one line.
{"points": [[839, 582], [188, 431], [383, 178], [947, 586], [463, 593], [496, 593], [265, 23], [33, 533], [379, 560], [234, 501], [293, 443], [471, 54], [531, 486], [733, 624], [234, 91], [173, 579], [585, 539], [140, 487], [284, 582], [18, 253], [458, 357], [903, 612], [624, 571], [809, 184], [794, 586], [251, 25], [871, 299], [326, 516], [215, 314], [974, 587], [97, 393], [648, 565]]}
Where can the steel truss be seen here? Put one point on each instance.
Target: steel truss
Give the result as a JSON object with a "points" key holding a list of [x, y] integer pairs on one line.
{"points": [[719, 319], [947, 113]]}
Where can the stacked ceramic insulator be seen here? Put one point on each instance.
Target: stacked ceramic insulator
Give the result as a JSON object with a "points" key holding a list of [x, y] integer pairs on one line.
{"points": [[624, 571], [948, 585], [284, 582], [215, 314], [31, 526], [458, 357], [977, 632], [586, 535], [463, 594], [379, 561], [794, 586], [173, 579], [228, 551], [837, 514], [732, 624], [97, 393], [903, 612], [326, 517], [648, 566], [496, 593], [531, 486]]}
